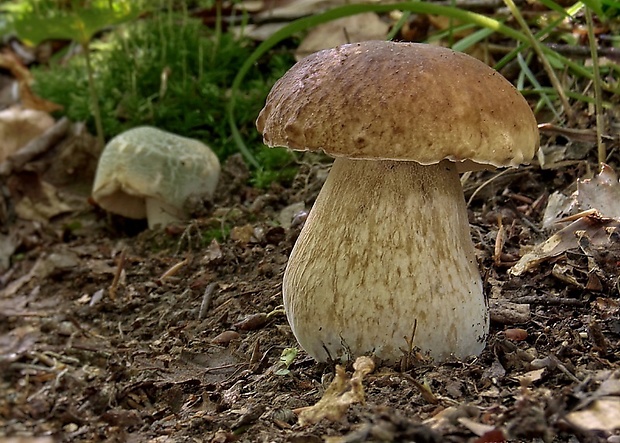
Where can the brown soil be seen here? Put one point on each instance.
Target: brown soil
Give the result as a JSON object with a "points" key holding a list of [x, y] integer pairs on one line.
{"points": [[163, 336]]}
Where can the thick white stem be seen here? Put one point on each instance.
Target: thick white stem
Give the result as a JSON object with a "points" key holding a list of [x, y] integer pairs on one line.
{"points": [[387, 244]]}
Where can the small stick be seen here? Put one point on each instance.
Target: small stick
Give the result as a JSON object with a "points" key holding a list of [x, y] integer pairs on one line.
{"points": [[586, 213], [206, 300], [500, 240], [579, 135], [117, 275], [551, 301], [173, 270]]}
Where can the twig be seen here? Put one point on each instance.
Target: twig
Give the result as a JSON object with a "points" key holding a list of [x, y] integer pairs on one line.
{"points": [[551, 301], [426, 393], [117, 275], [584, 51], [500, 241], [206, 300], [173, 270], [496, 176], [579, 135]]}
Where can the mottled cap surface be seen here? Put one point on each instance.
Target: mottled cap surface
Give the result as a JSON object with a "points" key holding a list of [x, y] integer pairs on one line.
{"points": [[400, 101], [146, 162]]}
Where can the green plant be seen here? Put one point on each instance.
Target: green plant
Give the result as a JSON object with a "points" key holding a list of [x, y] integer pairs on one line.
{"points": [[170, 71], [287, 358], [37, 20]]}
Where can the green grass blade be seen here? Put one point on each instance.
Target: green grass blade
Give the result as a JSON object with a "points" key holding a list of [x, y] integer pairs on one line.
{"points": [[527, 72], [554, 7], [467, 42], [596, 6], [551, 92]]}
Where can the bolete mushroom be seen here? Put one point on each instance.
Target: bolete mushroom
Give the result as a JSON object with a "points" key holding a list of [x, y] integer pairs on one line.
{"points": [[149, 173], [387, 243]]}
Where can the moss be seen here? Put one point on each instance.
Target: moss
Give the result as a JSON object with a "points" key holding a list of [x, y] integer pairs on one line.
{"points": [[170, 71]]}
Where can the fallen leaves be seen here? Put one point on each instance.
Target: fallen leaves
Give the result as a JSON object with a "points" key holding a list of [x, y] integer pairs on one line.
{"points": [[18, 126], [341, 393], [596, 227], [603, 414], [600, 410], [11, 62], [355, 28]]}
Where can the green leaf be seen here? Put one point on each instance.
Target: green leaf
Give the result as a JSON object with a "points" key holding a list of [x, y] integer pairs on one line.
{"points": [[465, 43], [554, 7], [288, 356], [596, 6], [80, 25]]}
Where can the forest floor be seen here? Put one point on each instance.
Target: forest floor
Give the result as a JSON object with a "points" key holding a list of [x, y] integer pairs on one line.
{"points": [[109, 332]]}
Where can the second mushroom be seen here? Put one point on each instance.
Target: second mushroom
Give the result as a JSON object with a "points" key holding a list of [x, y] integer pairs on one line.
{"points": [[387, 244]]}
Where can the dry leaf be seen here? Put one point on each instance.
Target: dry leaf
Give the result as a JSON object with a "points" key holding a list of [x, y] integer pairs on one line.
{"points": [[355, 28], [479, 429], [18, 126], [599, 230], [341, 393], [530, 377], [9, 61], [42, 205], [601, 193], [602, 414], [242, 234]]}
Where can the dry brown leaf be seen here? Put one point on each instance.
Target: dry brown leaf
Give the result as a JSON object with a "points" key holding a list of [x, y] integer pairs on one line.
{"points": [[479, 429], [43, 205], [341, 393], [530, 377], [243, 234], [18, 126], [11, 62], [443, 23], [601, 193], [32, 101], [29, 100], [602, 414], [598, 229], [355, 28]]}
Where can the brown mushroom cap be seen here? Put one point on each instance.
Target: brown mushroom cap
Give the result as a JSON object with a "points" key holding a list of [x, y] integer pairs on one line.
{"points": [[400, 101]]}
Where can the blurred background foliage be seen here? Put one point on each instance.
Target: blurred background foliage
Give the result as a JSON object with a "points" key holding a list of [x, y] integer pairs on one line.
{"points": [[153, 64], [182, 66]]}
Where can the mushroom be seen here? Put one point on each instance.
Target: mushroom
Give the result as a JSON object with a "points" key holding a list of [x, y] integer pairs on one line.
{"points": [[386, 248], [149, 173]]}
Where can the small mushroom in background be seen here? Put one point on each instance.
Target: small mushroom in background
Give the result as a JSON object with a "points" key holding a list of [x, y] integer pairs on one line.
{"points": [[149, 173], [387, 244]]}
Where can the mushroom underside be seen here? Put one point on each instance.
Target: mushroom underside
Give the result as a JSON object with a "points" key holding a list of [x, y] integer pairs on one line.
{"points": [[386, 249]]}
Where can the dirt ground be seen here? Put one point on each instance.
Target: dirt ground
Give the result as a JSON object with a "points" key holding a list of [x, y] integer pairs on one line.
{"points": [[109, 332]]}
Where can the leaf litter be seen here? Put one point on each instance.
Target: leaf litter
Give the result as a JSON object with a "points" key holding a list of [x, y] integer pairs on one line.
{"points": [[109, 332]]}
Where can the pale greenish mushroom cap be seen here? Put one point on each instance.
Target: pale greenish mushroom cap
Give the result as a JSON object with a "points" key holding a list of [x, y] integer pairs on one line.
{"points": [[149, 173]]}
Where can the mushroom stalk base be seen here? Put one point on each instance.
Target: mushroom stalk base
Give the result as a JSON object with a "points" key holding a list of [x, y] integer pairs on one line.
{"points": [[160, 214], [386, 249]]}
